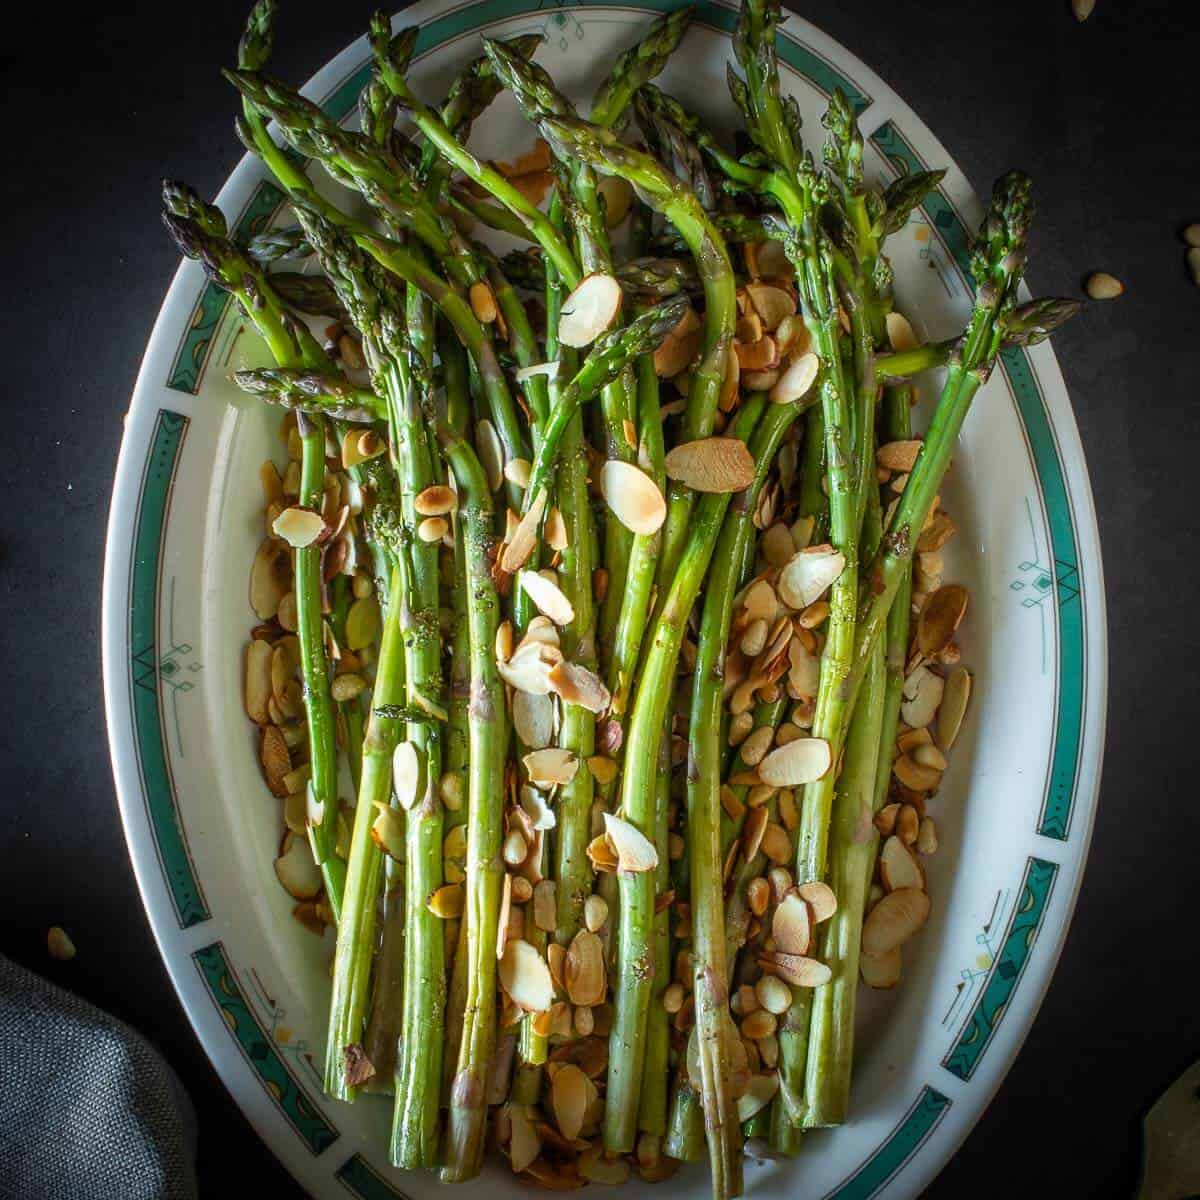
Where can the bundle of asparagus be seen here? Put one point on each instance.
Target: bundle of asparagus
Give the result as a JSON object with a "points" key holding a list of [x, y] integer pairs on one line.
{"points": [[616, 671]]}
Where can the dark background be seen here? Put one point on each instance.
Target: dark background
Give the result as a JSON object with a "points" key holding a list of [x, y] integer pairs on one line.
{"points": [[100, 104]]}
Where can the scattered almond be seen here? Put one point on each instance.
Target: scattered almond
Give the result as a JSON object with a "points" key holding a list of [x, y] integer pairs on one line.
{"points": [[632, 496], [894, 920], [715, 464]]}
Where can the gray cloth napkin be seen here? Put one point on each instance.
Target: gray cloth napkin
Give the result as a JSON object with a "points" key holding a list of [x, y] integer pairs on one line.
{"points": [[88, 1110]]}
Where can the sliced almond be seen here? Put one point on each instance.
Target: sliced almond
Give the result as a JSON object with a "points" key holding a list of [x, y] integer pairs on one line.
{"points": [[927, 837], [295, 868], [483, 302], [448, 901], [755, 747], [820, 898], [601, 854], [569, 1097], [516, 470], [941, 615], [535, 370], [799, 762], [632, 496], [772, 304], [407, 771], [881, 971], [555, 530], [798, 970], [435, 501], [635, 852], [589, 310], [533, 719], [776, 545], [258, 689], [534, 805], [804, 671], [578, 685], [524, 1145], [776, 844], [809, 574], [900, 333], [528, 670], [433, 529], [923, 691], [760, 602], [714, 464], [955, 695], [363, 623], [585, 976], [298, 526], [491, 453], [758, 1094], [937, 532], [791, 926], [796, 382], [914, 776], [276, 759], [551, 766], [675, 353], [545, 908], [894, 920], [550, 599], [519, 546], [270, 578], [760, 381], [525, 976], [762, 355], [898, 456], [898, 868]]}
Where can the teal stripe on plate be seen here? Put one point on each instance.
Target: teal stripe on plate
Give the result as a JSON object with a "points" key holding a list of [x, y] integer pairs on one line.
{"points": [[359, 1178], [1010, 963], [158, 788]]}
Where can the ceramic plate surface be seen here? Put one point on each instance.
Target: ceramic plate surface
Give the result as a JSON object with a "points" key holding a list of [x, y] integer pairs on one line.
{"points": [[1016, 808]]}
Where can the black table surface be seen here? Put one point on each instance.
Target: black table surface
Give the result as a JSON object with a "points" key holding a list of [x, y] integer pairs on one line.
{"points": [[101, 103]]}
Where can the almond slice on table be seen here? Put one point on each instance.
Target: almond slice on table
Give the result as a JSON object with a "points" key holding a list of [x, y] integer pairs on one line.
{"points": [[882, 971], [713, 464], [533, 719], [632, 496], [519, 546], [791, 925], [802, 761], [894, 920], [898, 868], [955, 694], [941, 615], [796, 382], [589, 310], [525, 976], [820, 898], [550, 766], [578, 685], [808, 575], [295, 868], [923, 691], [900, 333], [635, 852], [550, 599]]}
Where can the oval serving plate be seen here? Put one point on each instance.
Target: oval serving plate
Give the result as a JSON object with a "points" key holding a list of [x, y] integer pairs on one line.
{"points": [[1017, 804]]}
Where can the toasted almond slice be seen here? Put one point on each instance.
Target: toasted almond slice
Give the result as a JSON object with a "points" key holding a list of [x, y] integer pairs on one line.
{"points": [[758, 1094], [898, 456], [881, 971], [635, 852], [448, 901], [941, 615], [516, 470], [760, 381], [433, 529], [585, 976], [798, 970], [894, 920], [755, 747], [528, 670], [618, 196], [540, 630], [550, 766], [483, 302], [749, 327], [675, 353], [589, 310], [407, 771], [555, 530], [259, 658], [545, 908], [771, 303], [760, 601], [533, 719], [900, 333], [387, 831], [777, 546], [762, 355], [295, 868], [923, 692], [820, 898], [569, 1098], [435, 501], [802, 761], [927, 836], [550, 599], [578, 685], [792, 336], [791, 926], [808, 575], [601, 854], [362, 623], [898, 868], [270, 578], [804, 671], [539, 811], [937, 532], [776, 844], [914, 776], [298, 526], [955, 694], [491, 453], [796, 382], [276, 759], [520, 545], [548, 369], [632, 496], [525, 976], [714, 464], [524, 1145]]}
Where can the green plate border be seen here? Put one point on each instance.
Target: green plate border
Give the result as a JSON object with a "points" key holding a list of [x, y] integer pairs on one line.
{"points": [[257, 1048], [361, 1179], [145, 700], [1054, 820]]}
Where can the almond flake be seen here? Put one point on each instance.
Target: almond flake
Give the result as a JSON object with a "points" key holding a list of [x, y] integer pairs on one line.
{"points": [[900, 333], [923, 691], [524, 1145], [798, 970], [528, 670], [584, 974], [533, 719], [520, 545], [556, 530], [635, 852], [894, 920], [483, 302], [802, 761], [955, 694], [941, 615], [435, 501], [808, 575], [714, 464], [548, 369], [589, 310], [632, 496], [898, 456], [820, 898], [525, 976], [791, 926], [578, 685], [406, 774], [796, 382], [295, 868], [550, 599], [898, 868], [550, 766]]}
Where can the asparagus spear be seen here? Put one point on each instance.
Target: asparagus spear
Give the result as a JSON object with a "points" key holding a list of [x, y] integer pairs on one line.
{"points": [[199, 231]]}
